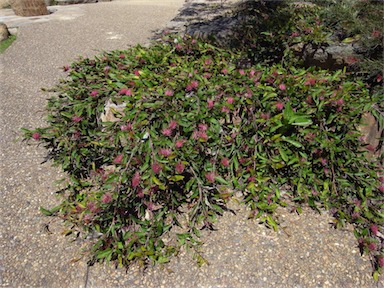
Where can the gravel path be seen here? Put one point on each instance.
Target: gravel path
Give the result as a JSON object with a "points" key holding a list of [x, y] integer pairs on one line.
{"points": [[241, 253]]}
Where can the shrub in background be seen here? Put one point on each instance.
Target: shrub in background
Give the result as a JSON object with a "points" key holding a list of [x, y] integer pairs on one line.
{"points": [[152, 136]]}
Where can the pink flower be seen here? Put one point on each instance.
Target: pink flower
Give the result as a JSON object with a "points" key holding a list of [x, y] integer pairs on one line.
{"points": [[94, 93], [77, 119], [381, 261], [210, 176], [376, 34], [172, 125], [381, 188], [295, 34], [379, 78], [203, 136], [165, 152], [208, 62], [179, 168], [311, 81], [211, 103], [372, 246], [203, 127], [123, 91], [140, 193], [225, 109], [282, 87], [137, 72], [166, 132], [241, 72], [126, 127], [107, 197], [168, 92], [156, 167], [199, 135], [194, 84], [92, 207], [374, 229], [230, 100], [225, 162], [122, 56], [107, 69], [207, 75], [279, 105], [76, 135], [178, 47], [371, 148], [340, 102], [265, 116], [252, 73], [323, 161], [87, 218], [224, 71], [179, 143], [351, 60], [36, 136], [118, 159], [136, 180]]}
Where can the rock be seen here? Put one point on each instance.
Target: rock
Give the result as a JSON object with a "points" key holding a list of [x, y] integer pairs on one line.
{"points": [[29, 7], [4, 33], [69, 2], [372, 135], [206, 19], [4, 4], [330, 57]]}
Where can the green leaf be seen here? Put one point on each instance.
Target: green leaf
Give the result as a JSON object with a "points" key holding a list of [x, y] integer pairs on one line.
{"points": [[298, 120], [104, 254], [283, 154], [293, 142], [162, 260], [221, 180], [51, 212], [176, 178]]}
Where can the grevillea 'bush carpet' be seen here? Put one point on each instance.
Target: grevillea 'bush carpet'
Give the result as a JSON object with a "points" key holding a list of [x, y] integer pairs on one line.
{"points": [[149, 136]]}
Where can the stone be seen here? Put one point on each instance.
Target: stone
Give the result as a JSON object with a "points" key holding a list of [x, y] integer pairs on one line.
{"points": [[69, 2], [332, 57], [4, 4], [29, 7], [4, 33], [372, 135]]}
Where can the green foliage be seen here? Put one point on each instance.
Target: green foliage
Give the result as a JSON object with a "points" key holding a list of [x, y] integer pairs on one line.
{"points": [[185, 128], [272, 28], [6, 43], [360, 22]]}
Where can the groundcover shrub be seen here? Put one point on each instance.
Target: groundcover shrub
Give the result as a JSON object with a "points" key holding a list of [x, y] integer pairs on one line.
{"points": [[160, 137]]}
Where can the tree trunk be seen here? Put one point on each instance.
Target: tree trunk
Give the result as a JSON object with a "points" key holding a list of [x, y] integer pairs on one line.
{"points": [[29, 7]]}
